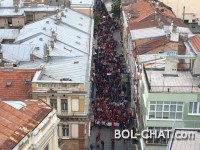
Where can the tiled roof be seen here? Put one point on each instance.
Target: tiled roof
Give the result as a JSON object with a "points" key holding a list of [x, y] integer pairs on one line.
{"points": [[142, 9], [19, 88], [166, 19], [143, 24], [195, 41], [15, 123], [151, 45]]}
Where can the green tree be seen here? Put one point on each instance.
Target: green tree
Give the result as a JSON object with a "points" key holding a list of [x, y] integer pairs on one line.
{"points": [[116, 8], [96, 20]]}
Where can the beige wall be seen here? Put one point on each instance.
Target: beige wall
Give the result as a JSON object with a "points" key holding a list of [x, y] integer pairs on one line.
{"points": [[3, 21], [39, 15], [86, 11], [18, 21], [191, 6]]}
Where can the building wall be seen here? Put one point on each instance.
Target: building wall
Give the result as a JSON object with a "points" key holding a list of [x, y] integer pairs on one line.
{"points": [[39, 138], [196, 68], [72, 143], [16, 21], [86, 11], [191, 8], [39, 15], [77, 127], [188, 120], [3, 21], [19, 21]]}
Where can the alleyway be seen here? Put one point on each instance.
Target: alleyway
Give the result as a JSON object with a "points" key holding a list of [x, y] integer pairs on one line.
{"points": [[110, 106]]}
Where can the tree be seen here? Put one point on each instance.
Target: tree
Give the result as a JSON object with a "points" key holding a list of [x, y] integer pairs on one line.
{"points": [[116, 8], [96, 20]]}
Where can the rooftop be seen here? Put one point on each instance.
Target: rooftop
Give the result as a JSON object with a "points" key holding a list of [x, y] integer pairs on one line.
{"points": [[140, 10], [183, 82], [9, 33], [195, 41], [57, 68], [147, 33], [193, 143], [11, 12], [151, 45], [15, 84], [18, 118], [58, 49], [195, 28]]}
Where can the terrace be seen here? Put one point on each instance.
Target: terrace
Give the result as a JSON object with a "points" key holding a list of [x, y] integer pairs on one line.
{"points": [[183, 82]]}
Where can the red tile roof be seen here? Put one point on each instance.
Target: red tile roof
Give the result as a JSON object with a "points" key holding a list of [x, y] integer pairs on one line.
{"points": [[19, 88], [195, 41], [151, 45], [16, 123], [143, 24], [142, 8]]}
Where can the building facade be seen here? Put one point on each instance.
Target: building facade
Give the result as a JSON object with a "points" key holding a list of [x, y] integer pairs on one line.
{"points": [[60, 50], [186, 10], [169, 94], [33, 125], [85, 7]]}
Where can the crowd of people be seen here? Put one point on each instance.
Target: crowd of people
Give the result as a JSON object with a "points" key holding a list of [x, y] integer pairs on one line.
{"points": [[110, 108]]}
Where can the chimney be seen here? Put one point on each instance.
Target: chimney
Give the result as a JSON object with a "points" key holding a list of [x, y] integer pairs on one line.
{"points": [[16, 8], [46, 53], [52, 44], [170, 68], [58, 17], [54, 36], [181, 51]]}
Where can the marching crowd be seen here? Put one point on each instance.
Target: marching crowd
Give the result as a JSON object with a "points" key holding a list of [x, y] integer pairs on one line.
{"points": [[111, 106]]}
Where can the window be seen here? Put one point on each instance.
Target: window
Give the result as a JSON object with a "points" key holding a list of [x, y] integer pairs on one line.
{"points": [[9, 21], [65, 130], [64, 104], [194, 108], [165, 110], [53, 103], [29, 18], [160, 141], [194, 21]]}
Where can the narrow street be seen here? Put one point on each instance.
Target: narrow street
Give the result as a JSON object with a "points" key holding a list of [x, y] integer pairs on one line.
{"points": [[109, 97]]}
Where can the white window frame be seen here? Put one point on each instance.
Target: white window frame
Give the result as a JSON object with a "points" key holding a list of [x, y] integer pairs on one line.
{"points": [[65, 137], [158, 128], [164, 103], [56, 103], [64, 99], [198, 109]]}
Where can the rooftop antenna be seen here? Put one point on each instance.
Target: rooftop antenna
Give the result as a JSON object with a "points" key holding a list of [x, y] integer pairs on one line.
{"points": [[183, 13]]}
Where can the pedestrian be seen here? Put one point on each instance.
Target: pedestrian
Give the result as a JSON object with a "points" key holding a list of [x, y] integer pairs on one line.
{"points": [[112, 143], [91, 146], [102, 144]]}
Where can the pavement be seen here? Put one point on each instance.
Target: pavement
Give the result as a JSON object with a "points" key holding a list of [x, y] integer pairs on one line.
{"points": [[106, 136]]}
